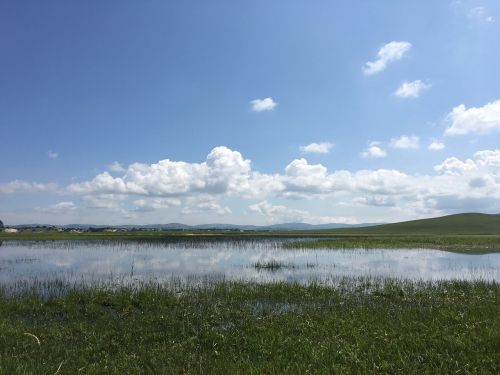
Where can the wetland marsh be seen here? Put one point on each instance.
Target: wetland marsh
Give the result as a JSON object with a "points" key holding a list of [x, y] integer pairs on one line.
{"points": [[267, 260], [245, 305]]}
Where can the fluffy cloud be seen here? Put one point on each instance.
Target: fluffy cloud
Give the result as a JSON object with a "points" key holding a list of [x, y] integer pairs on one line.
{"points": [[152, 204], [390, 52], [435, 145], [259, 105], [303, 180], [381, 181], [116, 167], [200, 204], [317, 148], [411, 89], [483, 161], [475, 120], [224, 172], [375, 200], [103, 183], [277, 213], [467, 185], [374, 151], [199, 187], [406, 142], [455, 166], [459, 181], [282, 214], [19, 185]]}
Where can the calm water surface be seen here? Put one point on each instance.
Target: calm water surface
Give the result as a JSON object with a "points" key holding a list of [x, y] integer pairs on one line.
{"points": [[131, 261]]}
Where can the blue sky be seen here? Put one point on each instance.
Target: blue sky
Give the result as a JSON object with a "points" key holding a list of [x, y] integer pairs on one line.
{"points": [[306, 113]]}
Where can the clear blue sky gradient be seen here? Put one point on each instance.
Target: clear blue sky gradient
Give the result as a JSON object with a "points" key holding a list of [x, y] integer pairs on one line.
{"points": [[129, 81]]}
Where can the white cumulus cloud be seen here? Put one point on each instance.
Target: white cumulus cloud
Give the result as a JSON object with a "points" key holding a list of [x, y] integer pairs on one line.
{"points": [[405, 142], [151, 204], [390, 52], [411, 89], [259, 105], [200, 204], [200, 187], [486, 161], [116, 167], [436, 145], [317, 148], [223, 172], [374, 151], [474, 120]]}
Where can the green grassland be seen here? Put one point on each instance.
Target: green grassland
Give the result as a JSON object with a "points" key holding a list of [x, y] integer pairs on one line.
{"points": [[459, 224], [464, 244], [358, 327], [463, 232]]}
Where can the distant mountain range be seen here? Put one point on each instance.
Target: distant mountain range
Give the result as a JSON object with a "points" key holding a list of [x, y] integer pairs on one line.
{"points": [[465, 223], [179, 226]]}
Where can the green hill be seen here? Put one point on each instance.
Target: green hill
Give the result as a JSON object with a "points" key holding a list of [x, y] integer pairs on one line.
{"points": [[469, 223]]}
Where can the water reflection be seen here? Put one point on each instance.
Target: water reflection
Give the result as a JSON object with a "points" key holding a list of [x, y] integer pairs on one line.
{"points": [[132, 261]]}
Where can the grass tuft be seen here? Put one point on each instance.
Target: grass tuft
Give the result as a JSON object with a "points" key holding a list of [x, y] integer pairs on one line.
{"points": [[272, 265]]}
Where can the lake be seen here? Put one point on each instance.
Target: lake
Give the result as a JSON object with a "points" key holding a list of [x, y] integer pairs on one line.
{"points": [[23, 263]]}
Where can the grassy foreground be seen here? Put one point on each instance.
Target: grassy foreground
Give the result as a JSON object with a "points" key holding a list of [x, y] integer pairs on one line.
{"points": [[466, 244], [356, 327]]}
